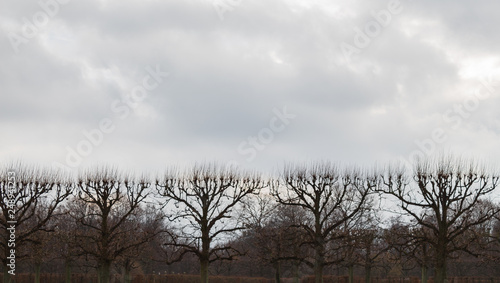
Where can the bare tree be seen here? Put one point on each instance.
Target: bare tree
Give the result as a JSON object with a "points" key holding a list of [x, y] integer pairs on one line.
{"points": [[66, 237], [372, 246], [203, 199], [40, 248], [330, 196], [273, 236], [23, 190], [39, 251], [361, 242], [494, 242], [444, 198], [109, 202], [295, 238], [263, 237], [408, 244], [146, 224], [346, 245]]}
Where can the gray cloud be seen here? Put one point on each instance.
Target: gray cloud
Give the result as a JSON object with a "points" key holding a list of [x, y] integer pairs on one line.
{"points": [[226, 77]]}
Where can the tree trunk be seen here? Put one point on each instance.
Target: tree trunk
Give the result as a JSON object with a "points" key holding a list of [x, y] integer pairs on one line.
{"points": [[351, 273], [126, 276], [104, 272], [204, 270], [440, 274], [440, 270], [38, 267], [368, 259], [368, 273], [67, 272], [425, 274], [318, 269], [296, 275], [277, 271], [205, 249], [319, 260], [6, 275]]}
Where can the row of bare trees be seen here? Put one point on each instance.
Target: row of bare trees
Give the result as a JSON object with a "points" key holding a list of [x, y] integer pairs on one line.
{"points": [[310, 217]]}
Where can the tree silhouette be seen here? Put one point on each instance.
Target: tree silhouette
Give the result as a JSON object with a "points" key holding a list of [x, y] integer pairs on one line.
{"points": [[205, 199], [330, 196], [443, 196]]}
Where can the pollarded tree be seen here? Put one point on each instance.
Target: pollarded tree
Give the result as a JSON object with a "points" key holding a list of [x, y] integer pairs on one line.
{"points": [[23, 191], [109, 202], [205, 199], [444, 196], [330, 196]]}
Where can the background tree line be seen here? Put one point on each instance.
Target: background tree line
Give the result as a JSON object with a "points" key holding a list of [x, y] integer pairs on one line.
{"points": [[439, 218]]}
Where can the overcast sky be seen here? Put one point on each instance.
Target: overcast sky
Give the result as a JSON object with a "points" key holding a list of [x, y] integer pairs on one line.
{"points": [[256, 82]]}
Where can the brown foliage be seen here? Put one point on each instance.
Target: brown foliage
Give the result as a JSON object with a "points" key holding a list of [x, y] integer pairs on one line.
{"points": [[167, 278], [359, 279]]}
